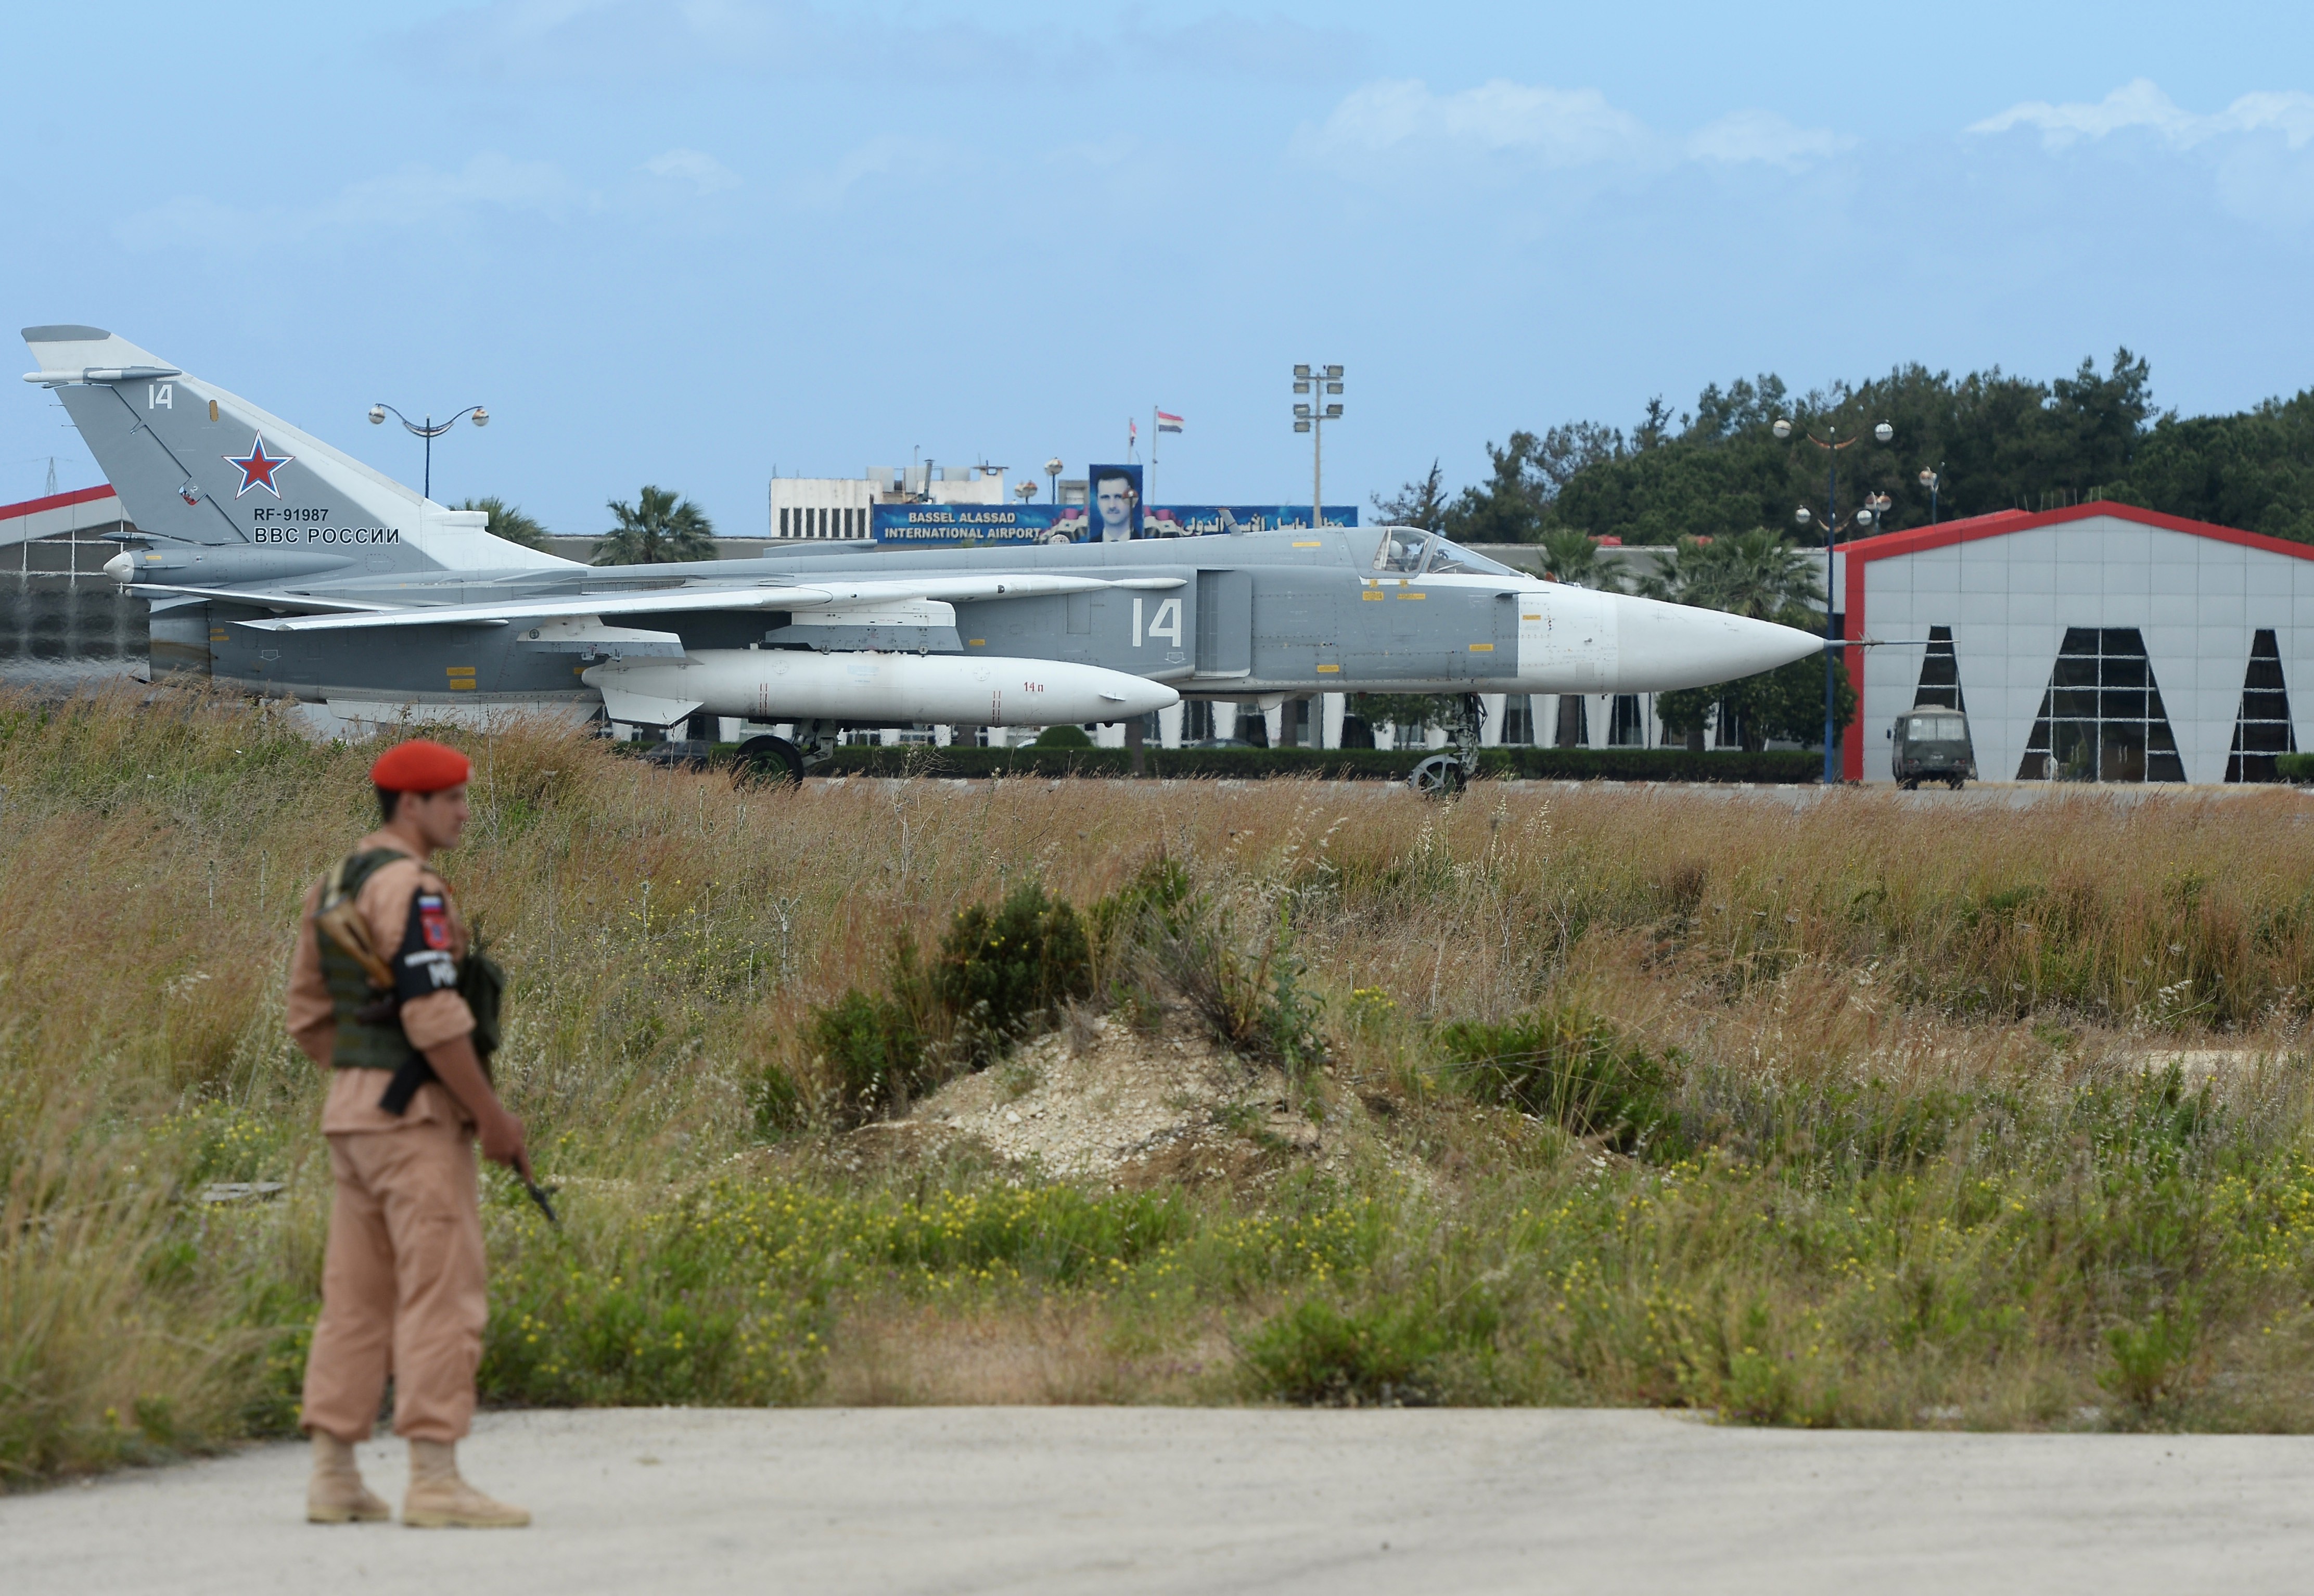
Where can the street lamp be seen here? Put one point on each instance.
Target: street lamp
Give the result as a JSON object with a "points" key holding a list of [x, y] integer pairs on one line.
{"points": [[1025, 490], [1871, 511], [1929, 478], [428, 430], [1053, 478], [1321, 382]]}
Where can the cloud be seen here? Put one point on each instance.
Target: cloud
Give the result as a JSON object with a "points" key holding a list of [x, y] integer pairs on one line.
{"points": [[1558, 127], [703, 173], [416, 195], [887, 155], [409, 197], [2142, 105], [1548, 127], [1763, 136], [1274, 49], [625, 39]]}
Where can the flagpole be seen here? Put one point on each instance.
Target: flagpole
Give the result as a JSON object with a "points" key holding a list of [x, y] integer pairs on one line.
{"points": [[1149, 477]]}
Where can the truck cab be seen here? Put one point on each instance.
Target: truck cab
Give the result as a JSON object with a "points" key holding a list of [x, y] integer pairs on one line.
{"points": [[1932, 745]]}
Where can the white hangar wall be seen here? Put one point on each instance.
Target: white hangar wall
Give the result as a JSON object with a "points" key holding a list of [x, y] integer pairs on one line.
{"points": [[2197, 597]]}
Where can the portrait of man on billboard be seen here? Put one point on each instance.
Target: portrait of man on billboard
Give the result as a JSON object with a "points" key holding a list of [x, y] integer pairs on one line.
{"points": [[1116, 492]]}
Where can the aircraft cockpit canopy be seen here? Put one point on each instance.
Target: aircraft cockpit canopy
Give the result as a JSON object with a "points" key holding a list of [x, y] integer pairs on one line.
{"points": [[1411, 551]]}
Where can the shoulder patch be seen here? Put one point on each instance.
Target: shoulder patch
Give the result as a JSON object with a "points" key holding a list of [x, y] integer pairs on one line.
{"points": [[434, 919]]}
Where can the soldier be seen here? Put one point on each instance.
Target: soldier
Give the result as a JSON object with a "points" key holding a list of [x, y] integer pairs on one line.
{"points": [[373, 990]]}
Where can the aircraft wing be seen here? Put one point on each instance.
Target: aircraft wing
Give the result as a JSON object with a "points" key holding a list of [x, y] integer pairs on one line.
{"points": [[815, 595], [275, 601]]}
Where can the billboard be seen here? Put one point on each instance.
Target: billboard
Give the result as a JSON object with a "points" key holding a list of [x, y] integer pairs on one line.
{"points": [[1115, 491], [944, 525]]}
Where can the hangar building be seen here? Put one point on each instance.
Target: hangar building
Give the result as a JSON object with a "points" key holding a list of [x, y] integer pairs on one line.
{"points": [[2097, 643]]}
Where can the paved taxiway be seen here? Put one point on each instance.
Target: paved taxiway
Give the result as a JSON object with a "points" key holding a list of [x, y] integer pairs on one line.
{"points": [[941, 1500]]}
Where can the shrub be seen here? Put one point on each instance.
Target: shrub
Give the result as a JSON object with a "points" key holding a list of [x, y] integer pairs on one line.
{"points": [[1003, 976], [2150, 1361], [1568, 1066], [781, 1106], [2294, 767], [1062, 736], [871, 1050], [1321, 1356], [1246, 986]]}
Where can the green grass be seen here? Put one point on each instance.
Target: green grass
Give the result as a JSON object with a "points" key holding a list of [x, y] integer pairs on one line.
{"points": [[1855, 1116]]}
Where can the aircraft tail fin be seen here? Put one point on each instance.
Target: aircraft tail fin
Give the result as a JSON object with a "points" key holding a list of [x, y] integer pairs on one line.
{"points": [[195, 464]]}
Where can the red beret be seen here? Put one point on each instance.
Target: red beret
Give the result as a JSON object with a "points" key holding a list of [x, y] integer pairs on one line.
{"points": [[420, 765]]}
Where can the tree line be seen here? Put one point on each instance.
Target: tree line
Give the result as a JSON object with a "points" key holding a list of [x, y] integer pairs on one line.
{"points": [[1995, 442], [658, 527]]}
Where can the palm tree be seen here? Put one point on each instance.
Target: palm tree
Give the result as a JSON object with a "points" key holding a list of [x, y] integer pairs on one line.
{"points": [[658, 529], [1569, 555], [1753, 573], [507, 521]]}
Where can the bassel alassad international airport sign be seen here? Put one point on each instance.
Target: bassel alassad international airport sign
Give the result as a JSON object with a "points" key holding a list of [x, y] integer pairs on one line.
{"points": [[931, 525]]}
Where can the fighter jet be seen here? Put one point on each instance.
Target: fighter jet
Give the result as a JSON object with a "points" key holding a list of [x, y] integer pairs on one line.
{"points": [[276, 563]]}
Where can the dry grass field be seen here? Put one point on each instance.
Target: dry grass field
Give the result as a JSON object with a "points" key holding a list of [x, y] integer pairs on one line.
{"points": [[1862, 1113]]}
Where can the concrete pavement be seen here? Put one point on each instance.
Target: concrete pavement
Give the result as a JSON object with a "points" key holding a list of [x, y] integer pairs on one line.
{"points": [[953, 1500]]}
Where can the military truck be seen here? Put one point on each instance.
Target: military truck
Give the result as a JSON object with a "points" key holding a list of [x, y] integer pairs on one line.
{"points": [[1932, 745]]}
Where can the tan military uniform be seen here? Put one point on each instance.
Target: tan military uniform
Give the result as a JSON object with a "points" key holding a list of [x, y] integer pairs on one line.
{"points": [[402, 1283]]}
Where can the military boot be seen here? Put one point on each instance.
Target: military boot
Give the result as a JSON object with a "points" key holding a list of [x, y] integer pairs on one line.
{"points": [[440, 1498], [336, 1495]]}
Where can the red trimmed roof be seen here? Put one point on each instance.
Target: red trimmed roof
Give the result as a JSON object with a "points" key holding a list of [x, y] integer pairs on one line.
{"points": [[56, 501], [1912, 540]]}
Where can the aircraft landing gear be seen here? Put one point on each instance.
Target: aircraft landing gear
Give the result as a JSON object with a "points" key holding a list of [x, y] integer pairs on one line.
{"points": [[1438, 776], [1443, 775], [770, 761]]}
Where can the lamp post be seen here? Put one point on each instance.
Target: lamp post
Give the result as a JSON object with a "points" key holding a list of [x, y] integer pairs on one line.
{"points": [[1832, 527], [1312, 417], [428, 429], [1052, 468], [1025, 490], [1930, 477]]}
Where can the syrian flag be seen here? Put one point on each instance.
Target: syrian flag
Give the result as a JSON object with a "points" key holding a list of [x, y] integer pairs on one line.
{"points": [[1167, 423]]}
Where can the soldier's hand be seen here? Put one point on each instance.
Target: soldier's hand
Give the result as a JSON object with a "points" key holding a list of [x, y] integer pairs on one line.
{"points": [[502, 1139]]}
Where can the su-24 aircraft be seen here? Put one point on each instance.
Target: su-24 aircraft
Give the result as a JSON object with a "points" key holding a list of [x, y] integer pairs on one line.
{"points": [[276, 563]]}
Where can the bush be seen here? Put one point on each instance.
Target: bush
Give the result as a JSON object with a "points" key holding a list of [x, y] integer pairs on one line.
{"points": [[1783, 767], [1569, 1067], [1003, 976], [2294, 767], [1321, 1356], [781, 1106], [1062, 736], [872, 1052]]}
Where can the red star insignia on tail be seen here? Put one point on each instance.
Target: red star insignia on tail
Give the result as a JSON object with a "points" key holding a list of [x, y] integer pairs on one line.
{"points": [[257, 467]]}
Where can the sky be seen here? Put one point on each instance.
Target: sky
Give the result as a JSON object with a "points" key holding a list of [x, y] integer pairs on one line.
{"points": [[693, 243]]}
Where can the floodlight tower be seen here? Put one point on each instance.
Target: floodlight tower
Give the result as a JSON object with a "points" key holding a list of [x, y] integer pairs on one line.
{"points": [[1312, 417], [1831, 444]]}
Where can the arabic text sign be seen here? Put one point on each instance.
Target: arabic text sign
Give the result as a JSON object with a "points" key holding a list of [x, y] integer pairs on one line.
{"points": [[933, 525]]}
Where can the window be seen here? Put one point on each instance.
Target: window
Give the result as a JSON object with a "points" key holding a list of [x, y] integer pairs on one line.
{"points": [[1935, 728], [1939, 685], [1629, 727], [784, 521], [2101, 719], [2262, 726]]}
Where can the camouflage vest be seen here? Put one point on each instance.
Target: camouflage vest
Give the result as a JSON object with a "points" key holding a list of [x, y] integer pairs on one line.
{"points": [[369, 1021]]}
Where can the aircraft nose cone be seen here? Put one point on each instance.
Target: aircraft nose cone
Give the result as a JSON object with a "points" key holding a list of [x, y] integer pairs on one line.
{"points": [[1673, 646], [121, 568]]}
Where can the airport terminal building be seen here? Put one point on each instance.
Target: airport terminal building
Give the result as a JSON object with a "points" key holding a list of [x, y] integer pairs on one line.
{"points": [[2097, 643]]}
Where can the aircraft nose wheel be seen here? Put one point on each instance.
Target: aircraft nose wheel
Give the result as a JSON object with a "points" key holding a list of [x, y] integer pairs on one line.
{"points": [[768, 762], [1438, 776]]}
